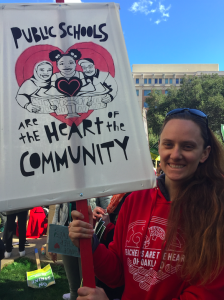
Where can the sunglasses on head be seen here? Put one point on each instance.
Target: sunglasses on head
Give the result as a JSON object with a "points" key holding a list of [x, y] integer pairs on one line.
{"points": [[195, 112]]}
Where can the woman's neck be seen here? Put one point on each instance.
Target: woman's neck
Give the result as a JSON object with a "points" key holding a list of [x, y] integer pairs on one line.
{"points": [[172, 187]]}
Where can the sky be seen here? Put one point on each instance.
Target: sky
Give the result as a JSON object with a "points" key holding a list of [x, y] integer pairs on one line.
{"points": [[170, 31]]}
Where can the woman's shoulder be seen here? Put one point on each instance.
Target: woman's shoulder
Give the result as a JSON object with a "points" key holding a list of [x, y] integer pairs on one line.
{"points": [[79, 74], [55, 76], [142, 195], [27, 83], [27, 87]]}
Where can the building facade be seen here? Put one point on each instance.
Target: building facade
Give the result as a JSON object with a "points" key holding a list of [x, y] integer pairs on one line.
{"points": [[147, 77]]}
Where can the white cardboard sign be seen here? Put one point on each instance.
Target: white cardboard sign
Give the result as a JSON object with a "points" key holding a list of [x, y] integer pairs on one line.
{"points": [[70, 123]]}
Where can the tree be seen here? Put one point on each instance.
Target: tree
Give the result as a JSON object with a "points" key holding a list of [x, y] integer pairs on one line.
{"points": [[205, 93]]}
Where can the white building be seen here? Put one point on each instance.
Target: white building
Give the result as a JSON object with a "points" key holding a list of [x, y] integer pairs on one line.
{"points": [[160, 77]]}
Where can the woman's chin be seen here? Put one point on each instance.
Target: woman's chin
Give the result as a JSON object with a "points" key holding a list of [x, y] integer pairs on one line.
{"points": [[175, 177]]}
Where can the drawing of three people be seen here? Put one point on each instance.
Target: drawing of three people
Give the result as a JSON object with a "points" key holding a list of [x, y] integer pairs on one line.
{"points": [[43, 83]]}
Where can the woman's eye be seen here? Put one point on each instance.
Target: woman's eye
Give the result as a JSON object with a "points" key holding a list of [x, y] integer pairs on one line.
{"points": [[188, 147]]}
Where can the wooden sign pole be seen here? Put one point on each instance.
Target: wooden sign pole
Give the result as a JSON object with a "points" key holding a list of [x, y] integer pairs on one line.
{"points": [[37, 258], [86, 250]]}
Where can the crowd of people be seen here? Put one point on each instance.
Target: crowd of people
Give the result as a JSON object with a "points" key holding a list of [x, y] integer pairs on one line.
{"points": [[25, 224], [163, 243]]}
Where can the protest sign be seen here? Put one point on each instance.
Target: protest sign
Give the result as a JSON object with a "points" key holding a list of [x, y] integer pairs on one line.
{"points": [[41, 278], [59, 241], [71, 127]]}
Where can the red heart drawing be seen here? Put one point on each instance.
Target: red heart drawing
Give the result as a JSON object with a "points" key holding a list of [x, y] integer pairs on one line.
{"points": [[70, 88], [56, 246], [31, 56]]}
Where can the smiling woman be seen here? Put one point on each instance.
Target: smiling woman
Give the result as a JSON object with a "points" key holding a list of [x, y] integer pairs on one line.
{"points": [[168, 241], [193, 161], [40, 81]]}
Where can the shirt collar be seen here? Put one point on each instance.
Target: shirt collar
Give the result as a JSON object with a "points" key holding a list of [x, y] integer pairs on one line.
{"points": [[162, 187]]}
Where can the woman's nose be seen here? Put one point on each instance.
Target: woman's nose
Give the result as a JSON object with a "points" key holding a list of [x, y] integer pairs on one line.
{"points": [[176, 153]]}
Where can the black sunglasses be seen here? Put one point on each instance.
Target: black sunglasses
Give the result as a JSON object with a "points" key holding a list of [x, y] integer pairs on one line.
{"points": [[195, 112]]}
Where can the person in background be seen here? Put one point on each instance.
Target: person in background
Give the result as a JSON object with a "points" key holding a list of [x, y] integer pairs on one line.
{"points": [[168, 241], [102, 202], [159, 171], [37, 223], [72, 264], [2, 251], [22, 218]]}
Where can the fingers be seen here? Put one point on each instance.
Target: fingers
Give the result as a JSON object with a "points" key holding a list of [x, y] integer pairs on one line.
{"points": [[106, 219], [80, 226], [106, 99], [80, 230], [76, 215], [99, 210], [97, 216], [86, 293], [36, 107]]}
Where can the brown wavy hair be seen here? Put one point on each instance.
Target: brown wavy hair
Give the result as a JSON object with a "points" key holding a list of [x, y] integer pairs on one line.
{"points": [[198, 211]]}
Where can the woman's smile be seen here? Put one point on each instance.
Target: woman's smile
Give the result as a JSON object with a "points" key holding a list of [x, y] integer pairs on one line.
{"points": [[174, 166]]}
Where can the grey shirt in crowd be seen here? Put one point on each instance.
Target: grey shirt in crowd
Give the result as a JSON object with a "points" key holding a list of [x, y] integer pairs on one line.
{"points": [[100, 201]]}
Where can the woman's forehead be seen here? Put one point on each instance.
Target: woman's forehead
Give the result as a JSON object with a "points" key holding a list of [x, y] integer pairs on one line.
{"points": [[45, 65], [181, 129], [66, 58]]}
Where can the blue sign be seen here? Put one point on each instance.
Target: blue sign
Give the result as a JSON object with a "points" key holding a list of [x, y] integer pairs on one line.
{"points": [[59, 241]]}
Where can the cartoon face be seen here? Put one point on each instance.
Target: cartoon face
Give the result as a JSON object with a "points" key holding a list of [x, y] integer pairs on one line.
{"points": [[88, 68], [66, 65], [44, 71]]}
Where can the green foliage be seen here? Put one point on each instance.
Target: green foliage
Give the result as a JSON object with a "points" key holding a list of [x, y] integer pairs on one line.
{"points": [[13, 284], [205, 93], [153, 138]]}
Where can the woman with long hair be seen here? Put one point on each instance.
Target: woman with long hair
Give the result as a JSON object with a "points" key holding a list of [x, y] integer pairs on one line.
{"points": [[169, 241]]}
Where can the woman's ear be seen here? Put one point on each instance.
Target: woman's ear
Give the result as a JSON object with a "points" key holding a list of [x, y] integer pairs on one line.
{"points": [[205, 154]]}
